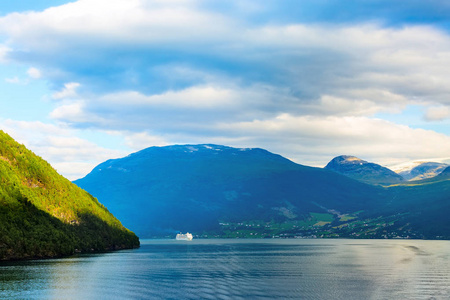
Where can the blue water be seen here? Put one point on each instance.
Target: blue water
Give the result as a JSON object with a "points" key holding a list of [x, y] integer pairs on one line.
{"points": [[241, 269]]}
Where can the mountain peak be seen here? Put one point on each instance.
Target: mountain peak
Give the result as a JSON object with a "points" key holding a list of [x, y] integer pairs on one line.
{"points": [[195, 148], [445, 172], [190, 157], [191, 152], [347, 159], [362, 170]]}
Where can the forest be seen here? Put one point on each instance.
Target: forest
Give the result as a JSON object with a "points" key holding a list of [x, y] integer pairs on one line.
{"points": [[42, 214]]}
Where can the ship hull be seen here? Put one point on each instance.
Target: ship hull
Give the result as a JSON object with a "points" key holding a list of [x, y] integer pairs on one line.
{"points": [[184, 237]]}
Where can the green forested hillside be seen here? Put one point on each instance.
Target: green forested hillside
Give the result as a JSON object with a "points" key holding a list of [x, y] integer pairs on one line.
{"points": [[42, 214]]}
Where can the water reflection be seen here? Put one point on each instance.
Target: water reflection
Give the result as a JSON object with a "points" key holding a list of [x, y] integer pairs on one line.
{"points": [[241, 269], [402, 269]]}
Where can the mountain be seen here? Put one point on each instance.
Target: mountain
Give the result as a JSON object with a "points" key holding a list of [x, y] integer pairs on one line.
{"points": [[198, 188], [362, 170], [42, 214], [220, 191], [422, 206], [444, 174], [423, 170]]}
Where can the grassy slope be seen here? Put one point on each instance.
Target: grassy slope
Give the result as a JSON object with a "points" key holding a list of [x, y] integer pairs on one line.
{"points": [[42, 214]]}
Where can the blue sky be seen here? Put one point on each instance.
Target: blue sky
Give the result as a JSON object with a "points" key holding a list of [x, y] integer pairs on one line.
{"points": [[88, 80]]}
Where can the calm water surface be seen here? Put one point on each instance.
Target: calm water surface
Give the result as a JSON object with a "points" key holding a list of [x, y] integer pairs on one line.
{"points": [[241, 269]]}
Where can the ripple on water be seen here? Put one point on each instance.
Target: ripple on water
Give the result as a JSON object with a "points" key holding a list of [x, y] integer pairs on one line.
{"points": [[224, 269]]}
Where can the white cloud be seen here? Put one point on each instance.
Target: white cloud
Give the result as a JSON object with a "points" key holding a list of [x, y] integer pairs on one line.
{"points": [[142, 140], [74, 170], [73, 112], [70, 155], [101, 21], [3, 53], [205, 97], [201, 107], [311, 140], [174, 71], [34, 73], [69, 91], [13, 80], [313, 61], [196, 106], [437, 113], [316, 140]]}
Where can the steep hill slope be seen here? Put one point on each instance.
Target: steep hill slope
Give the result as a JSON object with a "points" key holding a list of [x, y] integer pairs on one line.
{"points": [[444, 174], [42, 214], [161, 190], [424, 206], [362, 170]]}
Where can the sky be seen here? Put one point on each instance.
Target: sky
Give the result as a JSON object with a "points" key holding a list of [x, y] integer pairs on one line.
{"points": [[89, 80]]}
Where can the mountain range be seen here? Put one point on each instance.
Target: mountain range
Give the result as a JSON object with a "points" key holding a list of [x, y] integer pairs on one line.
{"points": [[364, 171], [423, 170], [42, 214], [211, 191], [220, 191], [162, 190]]}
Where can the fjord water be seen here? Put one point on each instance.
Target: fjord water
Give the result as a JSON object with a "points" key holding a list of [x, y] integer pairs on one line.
{"points": [[240, 269]]}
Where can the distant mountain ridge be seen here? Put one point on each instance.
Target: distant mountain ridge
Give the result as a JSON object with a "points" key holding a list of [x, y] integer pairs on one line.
{"points": [[220, 191], [373, 173], [423, 170], [362, 170], [191, 187]]}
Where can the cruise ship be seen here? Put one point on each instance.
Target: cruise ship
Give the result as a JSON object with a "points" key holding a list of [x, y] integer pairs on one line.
{"points": [[184, 237]]}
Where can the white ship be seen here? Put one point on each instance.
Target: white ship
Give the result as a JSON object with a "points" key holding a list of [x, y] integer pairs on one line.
{"points": [[184, 237]]}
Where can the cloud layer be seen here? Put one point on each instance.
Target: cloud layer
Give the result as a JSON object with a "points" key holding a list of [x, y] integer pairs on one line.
{"points": [[68, 154], [243, 73]]}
